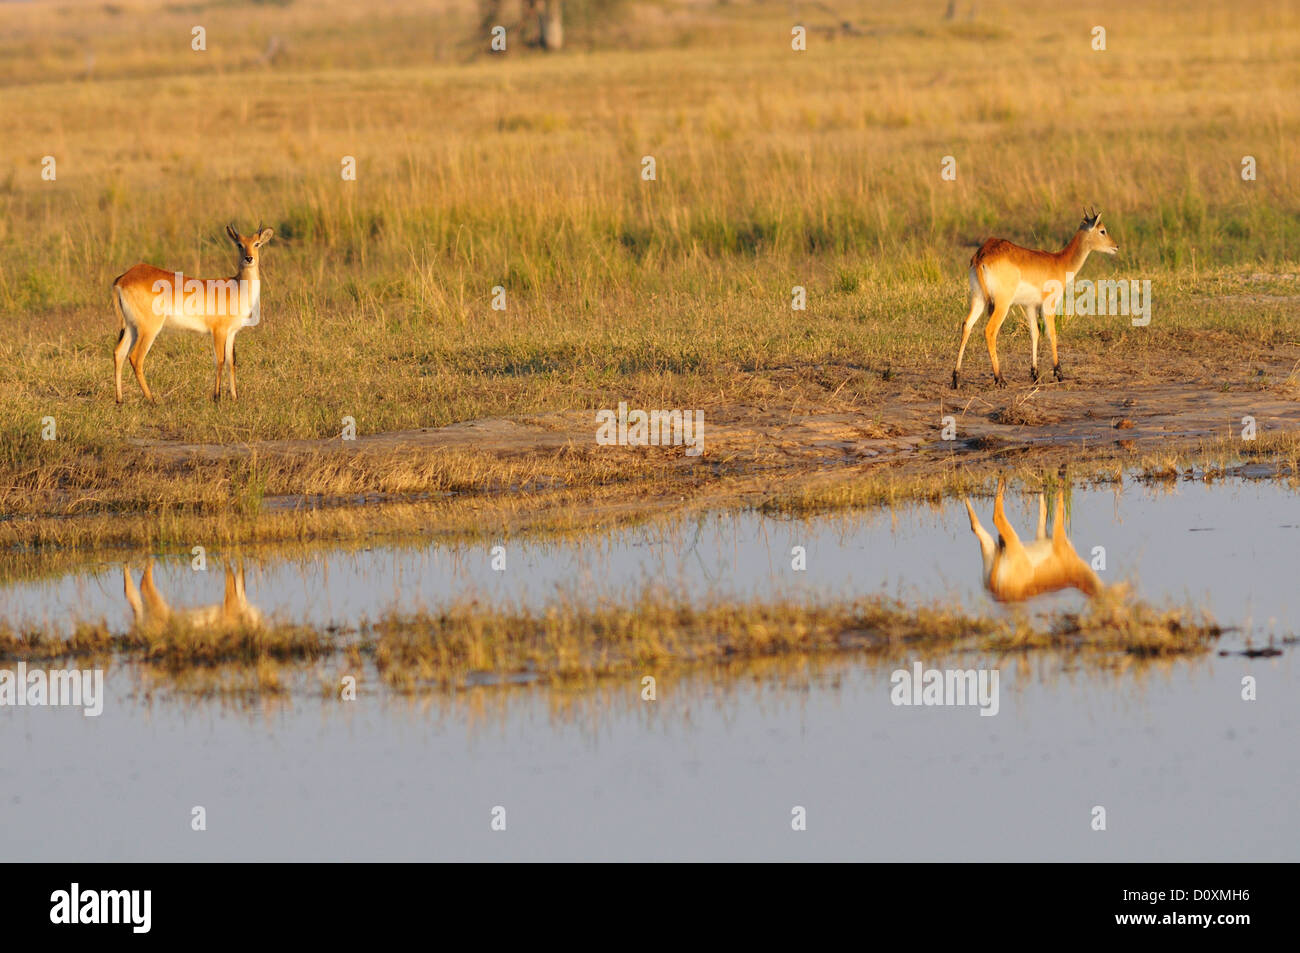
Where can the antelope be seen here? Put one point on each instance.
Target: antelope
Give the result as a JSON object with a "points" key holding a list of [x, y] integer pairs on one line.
{"points": [[1014, 570], [1003, 274], [153, 612], [149, 299]]}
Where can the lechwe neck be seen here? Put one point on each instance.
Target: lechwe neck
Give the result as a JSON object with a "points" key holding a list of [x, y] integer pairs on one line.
{"points": [[1073, 255]]}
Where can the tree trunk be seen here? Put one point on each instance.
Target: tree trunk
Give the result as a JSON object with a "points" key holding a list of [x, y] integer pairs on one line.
{"points": [[551, 25]]}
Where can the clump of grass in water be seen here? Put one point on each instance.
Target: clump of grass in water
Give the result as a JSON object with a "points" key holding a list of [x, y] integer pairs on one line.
{"points": [[175, 644], [1114, 622], [568, 644]]}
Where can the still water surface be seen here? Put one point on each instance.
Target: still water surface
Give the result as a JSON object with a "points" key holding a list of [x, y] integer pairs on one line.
{"points": [[1185, 769]]}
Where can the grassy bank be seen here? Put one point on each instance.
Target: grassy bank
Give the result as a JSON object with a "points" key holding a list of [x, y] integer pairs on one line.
{"points": [[565, 501]]}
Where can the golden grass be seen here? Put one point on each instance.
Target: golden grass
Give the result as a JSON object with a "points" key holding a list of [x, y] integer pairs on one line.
{"points": [[565, 643], [927, 481], [175, 645], [576, 645]]}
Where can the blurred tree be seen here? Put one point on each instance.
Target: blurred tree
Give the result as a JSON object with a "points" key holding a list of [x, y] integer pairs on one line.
{"points": [[550, 23], [541, 22]]}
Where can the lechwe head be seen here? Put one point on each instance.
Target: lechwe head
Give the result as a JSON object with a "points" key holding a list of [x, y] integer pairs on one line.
{"points": [[1093, 236], [149, 299], [249, 245]]}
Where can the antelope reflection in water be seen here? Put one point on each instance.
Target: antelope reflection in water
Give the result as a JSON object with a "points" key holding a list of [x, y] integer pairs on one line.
{"points": [[151, 609], [1014, 570]]}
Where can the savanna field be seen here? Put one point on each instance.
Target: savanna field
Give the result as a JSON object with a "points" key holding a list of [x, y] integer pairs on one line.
{"points": [[774, 169]]}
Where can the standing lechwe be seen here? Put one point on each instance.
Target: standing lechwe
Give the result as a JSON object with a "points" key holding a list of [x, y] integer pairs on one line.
{"points": [[149, 299]]}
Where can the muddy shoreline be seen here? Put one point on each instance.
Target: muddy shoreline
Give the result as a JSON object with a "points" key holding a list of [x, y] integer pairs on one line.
{"points": [[539, 473]]}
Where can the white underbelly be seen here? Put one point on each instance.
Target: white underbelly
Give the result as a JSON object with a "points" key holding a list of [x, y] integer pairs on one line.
{"points": [[1024, 294], [1005, 572], [1027, 294], [180, 321], [1039, 551]]}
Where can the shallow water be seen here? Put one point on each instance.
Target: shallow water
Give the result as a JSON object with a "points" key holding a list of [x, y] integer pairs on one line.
{"points": [[1185, 768], [1228, 548]]}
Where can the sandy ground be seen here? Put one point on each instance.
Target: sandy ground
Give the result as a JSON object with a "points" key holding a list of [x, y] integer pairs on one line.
{"points": [[1093, 408]]}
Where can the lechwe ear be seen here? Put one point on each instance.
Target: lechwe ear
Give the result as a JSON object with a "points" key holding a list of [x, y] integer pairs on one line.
{"points": [[234, 235], [265, 235]]}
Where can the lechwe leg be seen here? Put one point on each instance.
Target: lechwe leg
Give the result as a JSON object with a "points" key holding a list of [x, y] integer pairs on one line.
{"points": [[157, 605], [1005, 530], [1049, 319], [138, 353], [987, 544], [978, 304], [219, 351], [230, 359], [125, 341], [132, 595], [1031, 315], [991, 338]]}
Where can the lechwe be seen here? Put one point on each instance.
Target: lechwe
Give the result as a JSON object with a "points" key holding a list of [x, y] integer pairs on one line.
{"points": [[1014, 570], [1003, 274], [152, 612], [149, 299]]}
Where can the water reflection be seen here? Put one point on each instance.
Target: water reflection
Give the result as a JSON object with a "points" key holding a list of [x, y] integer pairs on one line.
{"points": [[1015, 570], [1200, 546], [150, 610]]}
